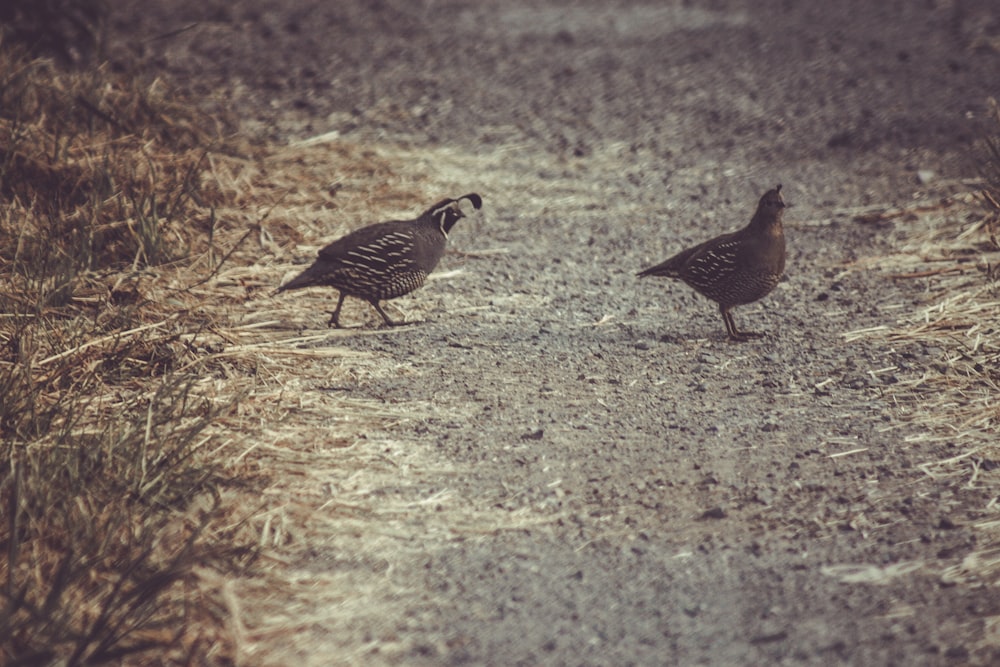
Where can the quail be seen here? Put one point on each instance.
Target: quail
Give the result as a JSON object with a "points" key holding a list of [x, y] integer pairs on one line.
{"points": [[385, 260], [735, 268]]}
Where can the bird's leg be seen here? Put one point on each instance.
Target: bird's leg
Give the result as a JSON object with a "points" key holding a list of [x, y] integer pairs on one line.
{"points": [[736, 335], [335, 317], [727, 317], [385, 317]]}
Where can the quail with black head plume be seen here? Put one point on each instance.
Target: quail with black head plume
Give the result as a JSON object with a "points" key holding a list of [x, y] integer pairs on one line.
{"points": [[735, 268], [385, 260]]}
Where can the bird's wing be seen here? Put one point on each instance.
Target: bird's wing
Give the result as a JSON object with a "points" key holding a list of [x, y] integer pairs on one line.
{"points": [[394, 249], [672, 267], [382, 234]]}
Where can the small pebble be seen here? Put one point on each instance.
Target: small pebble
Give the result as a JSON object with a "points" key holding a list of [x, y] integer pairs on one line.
{"points": [[714, 513]]}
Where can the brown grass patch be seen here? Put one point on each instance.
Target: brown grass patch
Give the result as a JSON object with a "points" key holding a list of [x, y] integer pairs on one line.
{"points": [[952, 389], [141, 354], [109, 500]]}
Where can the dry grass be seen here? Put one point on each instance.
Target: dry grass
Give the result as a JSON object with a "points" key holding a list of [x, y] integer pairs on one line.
{"points": [[142, 356], [952, 391], [109, 500]]}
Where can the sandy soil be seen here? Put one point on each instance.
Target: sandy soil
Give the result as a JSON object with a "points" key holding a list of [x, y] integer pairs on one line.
{"points": [[583, 470]]}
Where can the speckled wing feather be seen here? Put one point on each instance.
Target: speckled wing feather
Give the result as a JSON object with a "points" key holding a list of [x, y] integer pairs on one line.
{"points": [[676, 266], [713, 263], [374, 262]]}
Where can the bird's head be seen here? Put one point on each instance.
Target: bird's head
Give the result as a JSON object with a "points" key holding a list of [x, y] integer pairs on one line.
{"points": [[769, 209], [447, 212], [772, 201]]}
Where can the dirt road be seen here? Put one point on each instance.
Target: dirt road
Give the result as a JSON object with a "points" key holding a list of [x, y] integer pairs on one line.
{"points": [[577, 467]]}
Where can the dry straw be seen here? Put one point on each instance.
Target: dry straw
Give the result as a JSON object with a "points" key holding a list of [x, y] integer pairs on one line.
{"points": [[166, 421], [136, 247], [951, 392]]}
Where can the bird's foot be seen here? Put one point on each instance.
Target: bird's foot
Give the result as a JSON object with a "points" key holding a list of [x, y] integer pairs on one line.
{"points": [[744, 336]]}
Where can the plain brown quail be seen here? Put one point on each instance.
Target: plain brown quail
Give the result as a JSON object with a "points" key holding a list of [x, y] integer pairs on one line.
{"points": [[385, 260], [735, 268]]}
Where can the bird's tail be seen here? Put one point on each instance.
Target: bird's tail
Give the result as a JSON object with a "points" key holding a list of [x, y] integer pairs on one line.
{"points": [[667, 269], [308, 278], [671, 268]]}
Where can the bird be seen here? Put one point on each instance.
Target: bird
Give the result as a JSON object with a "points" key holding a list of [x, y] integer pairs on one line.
{"points": [[735, 268], [384, 260]]}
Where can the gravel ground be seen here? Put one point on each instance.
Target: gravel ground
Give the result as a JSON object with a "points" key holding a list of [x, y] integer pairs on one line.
{"points": [[691, 502]]}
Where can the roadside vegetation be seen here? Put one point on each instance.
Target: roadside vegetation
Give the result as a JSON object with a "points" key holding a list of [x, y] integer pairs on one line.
{"points": [[135, 374], [951, 390], [109, 485]]}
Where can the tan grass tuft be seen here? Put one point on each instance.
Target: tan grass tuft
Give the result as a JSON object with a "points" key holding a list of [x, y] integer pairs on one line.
{"points": [[165, 420], [951, 391]]}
